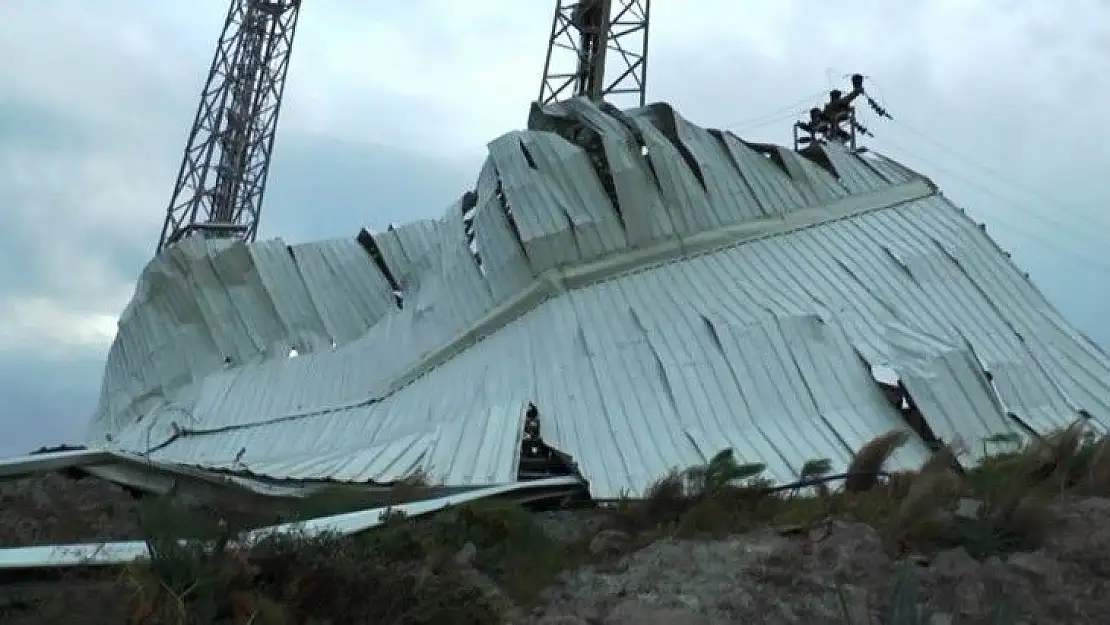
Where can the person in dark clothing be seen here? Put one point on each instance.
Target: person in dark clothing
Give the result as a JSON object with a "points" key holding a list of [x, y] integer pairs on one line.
{"points": [[838, 110]]}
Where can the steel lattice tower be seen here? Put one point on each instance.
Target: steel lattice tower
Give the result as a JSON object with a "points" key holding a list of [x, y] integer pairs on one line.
{"points": [[222, 179], [587, 33]]}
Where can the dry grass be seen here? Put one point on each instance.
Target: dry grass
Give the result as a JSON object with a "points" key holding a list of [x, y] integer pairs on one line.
{"points": [[1010, 495], [406, 571]]}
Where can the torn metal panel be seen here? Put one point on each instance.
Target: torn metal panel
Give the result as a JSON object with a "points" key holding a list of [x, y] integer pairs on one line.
{"points": [[1073, 363], [615, 351], [730, 199], [683, 195], [194, 267], [641, 415], [405, 249], [568, 171], [463, 293], [891, 171], [953, 295], [280, 278], [534, 207], [1028, 395], [776, 192], [481, 446], [842, 388], [953, 394], [816, 184], [345, 285], [788, 416], [639, 199], [502, 256], [852, 171]]}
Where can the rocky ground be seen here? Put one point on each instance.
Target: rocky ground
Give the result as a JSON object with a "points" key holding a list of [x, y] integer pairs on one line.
{"points": [[818, 576]]}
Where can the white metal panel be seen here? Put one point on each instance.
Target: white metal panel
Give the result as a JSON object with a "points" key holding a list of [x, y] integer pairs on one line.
{"points": [[818, 185], [534, 206], [955, 397], [348, 290], [1029, 395], [776, 192], [277, 270], [234, 267], [683, 196], [405, 249], [640, 201], [852, 171], [503, 261], [730, 197], [641, 362], [568, 171]]}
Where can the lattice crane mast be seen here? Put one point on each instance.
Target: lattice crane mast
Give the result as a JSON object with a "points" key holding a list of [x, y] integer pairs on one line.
{"points": [[586, 34], [222, 179]]}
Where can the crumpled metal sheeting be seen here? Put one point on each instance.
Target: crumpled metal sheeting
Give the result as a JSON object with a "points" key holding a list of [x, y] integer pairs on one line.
{"points": [[955, 397], [544, 229], [290, 297], [816, 184], [640, 202], [891, 171], [452, 293], [783, 401], [567, 170], [831, 371], [593, 358], [349, 291], [203, 304], [685, 200], [405, 249], [776, 191], [611, 364], [966, 314], [555, 198], [730, 199], [1044, 334], [504, 263], [1025, 391], [854, 172]]}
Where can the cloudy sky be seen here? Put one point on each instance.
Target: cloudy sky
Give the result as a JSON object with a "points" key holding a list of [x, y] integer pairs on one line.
{"points": [[389, 105]]}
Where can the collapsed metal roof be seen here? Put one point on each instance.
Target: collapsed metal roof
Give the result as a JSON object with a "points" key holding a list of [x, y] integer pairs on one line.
{"points": [[659, 291]]}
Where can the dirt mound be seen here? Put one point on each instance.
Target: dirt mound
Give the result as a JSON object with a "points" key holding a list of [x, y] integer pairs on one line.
{"points": [[837, 569]]}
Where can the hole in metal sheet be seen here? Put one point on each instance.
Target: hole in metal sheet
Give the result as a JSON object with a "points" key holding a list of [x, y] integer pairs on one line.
{"points": [[370, 245], [538, 460], [894, 390], [293, 353], [507, 210], [585, 137], [665, 120], [468, 205], [769, 151], [527, 155], [817, 155]]}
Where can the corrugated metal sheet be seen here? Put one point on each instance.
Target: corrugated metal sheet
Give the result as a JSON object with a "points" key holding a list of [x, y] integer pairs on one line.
{"points": [[646, 351]]}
